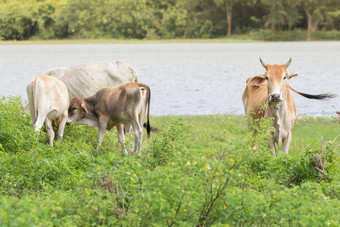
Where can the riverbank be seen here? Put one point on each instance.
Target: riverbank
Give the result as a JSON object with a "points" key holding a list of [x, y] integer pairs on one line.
{"points": [[195, 170], [122, 41], [262, 35]]}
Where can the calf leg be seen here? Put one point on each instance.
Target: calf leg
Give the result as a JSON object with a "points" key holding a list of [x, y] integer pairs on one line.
{"points": [[127, 128], [101, 132], [138, 135], [49, 129], [121, 137]]}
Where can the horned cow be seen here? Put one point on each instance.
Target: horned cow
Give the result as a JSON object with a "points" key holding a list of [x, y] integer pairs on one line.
{"points": [[272, 88]]}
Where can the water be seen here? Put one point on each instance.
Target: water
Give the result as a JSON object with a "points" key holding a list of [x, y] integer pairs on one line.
{"points": [[189, 78]]}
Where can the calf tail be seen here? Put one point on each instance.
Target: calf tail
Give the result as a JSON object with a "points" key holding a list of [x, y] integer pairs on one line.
{"points": [[148, 128], [319, 96]]}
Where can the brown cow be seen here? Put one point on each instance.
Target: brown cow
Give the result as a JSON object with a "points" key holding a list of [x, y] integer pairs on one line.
{"points": [[114, 106], [272, 88]]}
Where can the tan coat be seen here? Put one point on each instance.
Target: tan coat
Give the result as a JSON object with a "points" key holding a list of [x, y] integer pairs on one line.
{"points": [[272, 88], [127, 105]]}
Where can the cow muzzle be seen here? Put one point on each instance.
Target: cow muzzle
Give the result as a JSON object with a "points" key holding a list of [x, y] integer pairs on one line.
{"points": [[275, 98]]}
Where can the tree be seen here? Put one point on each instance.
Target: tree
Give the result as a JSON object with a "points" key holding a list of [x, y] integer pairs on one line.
{"points": [[314, 10], [276, 13], [228, 6], [292, 13]]}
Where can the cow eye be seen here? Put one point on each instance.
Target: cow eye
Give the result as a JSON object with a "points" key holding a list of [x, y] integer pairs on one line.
{"points": [[285, 77]]}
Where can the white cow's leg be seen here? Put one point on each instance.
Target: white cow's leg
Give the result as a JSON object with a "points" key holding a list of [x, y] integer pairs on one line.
{"points": [[39, 122], [286, 143], [138, 135], [61, 128], [49, 129], [121, 137]]}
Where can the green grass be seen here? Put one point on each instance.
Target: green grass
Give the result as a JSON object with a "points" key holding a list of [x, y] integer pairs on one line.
{"points": [[195, 170]]}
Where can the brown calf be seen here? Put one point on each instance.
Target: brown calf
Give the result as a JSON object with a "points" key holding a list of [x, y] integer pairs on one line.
{"points": [[115, 106]]}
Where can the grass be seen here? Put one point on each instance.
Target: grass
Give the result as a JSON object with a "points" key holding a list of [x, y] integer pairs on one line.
{"points": [[195, 170]]}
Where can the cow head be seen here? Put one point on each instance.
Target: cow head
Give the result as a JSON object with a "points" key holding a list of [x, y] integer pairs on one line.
{"points": [[276, 76], [77, 109]]}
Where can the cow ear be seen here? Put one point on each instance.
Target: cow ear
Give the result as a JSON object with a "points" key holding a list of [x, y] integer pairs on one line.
{"points": [[83, 107], [291, 75], [256, 80]]}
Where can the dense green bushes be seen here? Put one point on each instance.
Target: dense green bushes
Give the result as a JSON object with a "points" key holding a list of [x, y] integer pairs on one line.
{"points": [[159, 19], [196, 170]]}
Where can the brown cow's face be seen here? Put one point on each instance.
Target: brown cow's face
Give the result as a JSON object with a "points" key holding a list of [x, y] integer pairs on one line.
{"points": [[77, 109], [277, 76]]}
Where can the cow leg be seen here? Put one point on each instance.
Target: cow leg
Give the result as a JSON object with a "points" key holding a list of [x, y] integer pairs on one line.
{"points": [[271, 146], [138, 134], [39, 122], [49, 129], [61, 127], [101, 131], [286, 143], [121, 137], [127, 128]]}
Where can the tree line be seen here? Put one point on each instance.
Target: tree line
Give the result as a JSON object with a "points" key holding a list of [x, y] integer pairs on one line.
{"points": [[163, 19]]}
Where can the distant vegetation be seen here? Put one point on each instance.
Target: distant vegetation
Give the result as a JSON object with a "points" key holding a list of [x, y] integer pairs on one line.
{"points": [[169, 19], [195, 171]]}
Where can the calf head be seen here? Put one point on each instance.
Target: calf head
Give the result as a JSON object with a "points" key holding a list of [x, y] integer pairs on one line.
{"points": [[77, 109], [276, 76]]}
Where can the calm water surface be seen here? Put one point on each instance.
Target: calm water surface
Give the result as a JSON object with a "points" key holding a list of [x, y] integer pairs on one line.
{"points": [[189, 78]]}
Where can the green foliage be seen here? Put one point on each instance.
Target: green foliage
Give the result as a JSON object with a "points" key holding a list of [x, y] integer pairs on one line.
{"points": [[155, 19], [16, 21], [195, 170]]}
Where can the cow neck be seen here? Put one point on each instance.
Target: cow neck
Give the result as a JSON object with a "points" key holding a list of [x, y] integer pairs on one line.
{"points": [[89, 103], [279, 110]]}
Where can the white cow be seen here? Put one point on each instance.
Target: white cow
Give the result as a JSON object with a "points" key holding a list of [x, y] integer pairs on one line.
{"points": [[84, 80], [48, 100]]}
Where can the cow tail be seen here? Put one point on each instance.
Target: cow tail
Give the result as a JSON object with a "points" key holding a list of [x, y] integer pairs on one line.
{"points": [[319, 96], [148, 128], [35, 98]]}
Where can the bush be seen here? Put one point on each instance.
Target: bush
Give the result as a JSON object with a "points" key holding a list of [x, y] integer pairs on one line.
{"points": [[196, 170]]}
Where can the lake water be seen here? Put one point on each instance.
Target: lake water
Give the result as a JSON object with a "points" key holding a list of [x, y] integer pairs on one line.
{"points": [[189, 78]]}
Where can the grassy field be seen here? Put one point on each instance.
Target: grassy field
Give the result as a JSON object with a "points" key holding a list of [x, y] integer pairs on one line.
{"points": [[194, 171]]}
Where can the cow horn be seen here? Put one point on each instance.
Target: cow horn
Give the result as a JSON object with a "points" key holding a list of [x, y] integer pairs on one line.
{"points": [[288, 63], [264, 64]]}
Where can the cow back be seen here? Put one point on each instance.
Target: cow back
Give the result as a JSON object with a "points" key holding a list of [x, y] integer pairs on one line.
{"points": [[84, 80]]}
